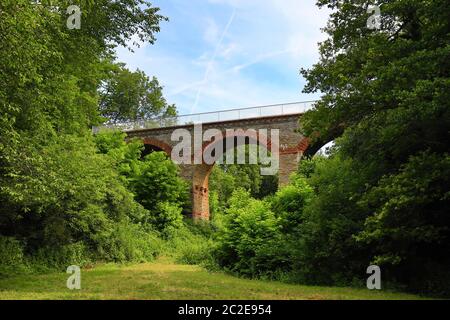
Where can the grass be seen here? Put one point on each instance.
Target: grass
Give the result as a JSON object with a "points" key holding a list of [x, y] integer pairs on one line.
{"points": [[165, 280]]}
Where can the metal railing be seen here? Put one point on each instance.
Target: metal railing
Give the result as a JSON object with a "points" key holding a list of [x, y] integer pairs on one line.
{"points": [[214, 116]]}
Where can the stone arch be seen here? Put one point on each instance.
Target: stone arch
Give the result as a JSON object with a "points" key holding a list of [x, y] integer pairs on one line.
{"points": [[300, 148], [289, 160], [201, 172], [257, 138], [293, 147]]}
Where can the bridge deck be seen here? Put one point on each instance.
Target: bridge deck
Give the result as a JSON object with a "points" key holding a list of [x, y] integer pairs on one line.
{"points": [[287, 109], [216, 123]]}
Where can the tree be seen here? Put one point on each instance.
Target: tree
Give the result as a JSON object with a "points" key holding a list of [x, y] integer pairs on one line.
{"points": [[289, 202], [126, 155], [159, 188], [410, 227], [380, 85], [154, 180], [386, 102], [53, 86], [131, 96], [325, 250]]}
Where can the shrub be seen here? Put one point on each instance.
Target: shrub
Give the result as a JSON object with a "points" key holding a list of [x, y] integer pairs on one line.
{"points": [[68, 202], [410, 228], [289, 202], [166, 218], [159, 188], [326, 252], [125, 156]]}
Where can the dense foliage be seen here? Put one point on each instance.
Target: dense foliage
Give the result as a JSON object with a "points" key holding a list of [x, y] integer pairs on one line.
{"points": [[63, 199], [226, 178], [258, 238], [382, 197]]}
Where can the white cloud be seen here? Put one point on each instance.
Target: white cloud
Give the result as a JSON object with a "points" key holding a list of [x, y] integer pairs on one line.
{"points": [[250, 59], [212, 33]]}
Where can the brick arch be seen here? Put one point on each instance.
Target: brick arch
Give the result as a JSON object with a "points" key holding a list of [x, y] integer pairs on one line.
{"points": [[300, 148], [201, 173], [159, 144], [258, 139]]}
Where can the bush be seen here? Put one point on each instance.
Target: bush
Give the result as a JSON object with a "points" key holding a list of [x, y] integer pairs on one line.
{"points": [[159, 188], [67, 203], [125, 156], [191, 244], [289, 202], [166, 218], [226, 178]]}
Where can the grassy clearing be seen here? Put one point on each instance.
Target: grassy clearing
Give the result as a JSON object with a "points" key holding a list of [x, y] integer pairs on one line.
{"points": [[165, 280]]}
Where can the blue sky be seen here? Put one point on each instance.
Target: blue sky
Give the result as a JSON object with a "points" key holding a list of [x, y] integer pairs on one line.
{"points": [[224, 54]]}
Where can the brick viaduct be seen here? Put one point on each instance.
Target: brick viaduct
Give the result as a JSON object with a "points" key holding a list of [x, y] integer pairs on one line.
{"points": [[292, 146]]}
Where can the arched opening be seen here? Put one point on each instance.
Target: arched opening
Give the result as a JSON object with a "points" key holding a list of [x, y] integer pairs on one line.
{"points": [[154, 145], [325, 150]]}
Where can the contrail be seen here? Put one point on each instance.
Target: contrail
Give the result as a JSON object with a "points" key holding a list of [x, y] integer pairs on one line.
{"points": [[210, 63]]}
